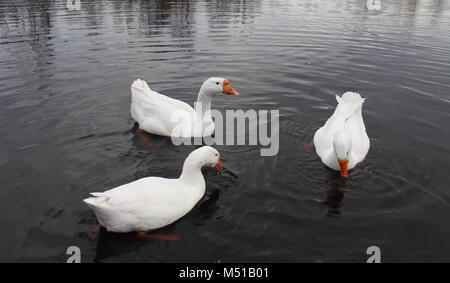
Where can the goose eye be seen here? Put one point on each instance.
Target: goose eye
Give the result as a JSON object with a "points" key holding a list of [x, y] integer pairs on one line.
{"points": [[217, 83], [216, 155]]}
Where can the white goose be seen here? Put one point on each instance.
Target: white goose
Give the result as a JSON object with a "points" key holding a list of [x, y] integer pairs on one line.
{"points": [[343, 142], [165, 116], [154, 202]]}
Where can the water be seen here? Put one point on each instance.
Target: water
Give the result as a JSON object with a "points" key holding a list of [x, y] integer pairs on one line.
{"points": [[66, 129]]}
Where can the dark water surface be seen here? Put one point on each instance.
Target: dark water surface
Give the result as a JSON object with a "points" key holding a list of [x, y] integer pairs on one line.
{"points": [[66, 129]]}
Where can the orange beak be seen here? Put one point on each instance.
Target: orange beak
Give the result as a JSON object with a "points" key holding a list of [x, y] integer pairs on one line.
{"points": [[343, 164], [227, 89], [218, 165]]}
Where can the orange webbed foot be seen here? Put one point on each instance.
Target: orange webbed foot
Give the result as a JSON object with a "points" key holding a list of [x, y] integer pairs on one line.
{"points": [[97, 229], [141, 135], [143, 235], [307, 147]]}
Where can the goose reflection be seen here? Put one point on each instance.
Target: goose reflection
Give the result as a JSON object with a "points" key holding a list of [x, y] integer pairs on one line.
{"points": [[112, 245], [335, 193], [123, 245]]}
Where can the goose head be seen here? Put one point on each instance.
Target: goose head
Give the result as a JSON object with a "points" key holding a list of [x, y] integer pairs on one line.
{"points": [[217, 86], [342, 145], [205, 156]]}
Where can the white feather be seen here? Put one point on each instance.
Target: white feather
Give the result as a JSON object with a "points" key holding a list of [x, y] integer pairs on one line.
{"points": [[346, 118]]}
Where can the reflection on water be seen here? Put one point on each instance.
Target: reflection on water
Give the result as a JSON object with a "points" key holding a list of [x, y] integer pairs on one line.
{"points": [[66, 128], [335, 194]]}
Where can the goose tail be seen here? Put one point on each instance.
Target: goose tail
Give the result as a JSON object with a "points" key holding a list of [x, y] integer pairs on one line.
{"points": [[140, 86], [96, 199], [352, 97], [349, 103]]}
